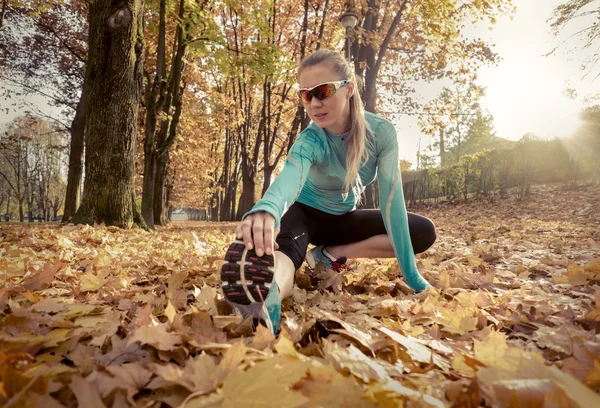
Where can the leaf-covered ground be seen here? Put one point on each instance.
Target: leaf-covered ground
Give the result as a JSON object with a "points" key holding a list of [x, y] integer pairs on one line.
{"points": [[106, 317]]}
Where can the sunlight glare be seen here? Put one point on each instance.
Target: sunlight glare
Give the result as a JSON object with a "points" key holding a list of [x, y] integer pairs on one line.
{"points": [[531, 102]]}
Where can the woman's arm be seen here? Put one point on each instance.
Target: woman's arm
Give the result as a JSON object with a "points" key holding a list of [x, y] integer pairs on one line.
{"points": [[393, 208], [257, 228]]}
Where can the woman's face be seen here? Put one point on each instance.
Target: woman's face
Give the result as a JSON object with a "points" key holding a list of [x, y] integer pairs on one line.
{"points": [[333, 112]]}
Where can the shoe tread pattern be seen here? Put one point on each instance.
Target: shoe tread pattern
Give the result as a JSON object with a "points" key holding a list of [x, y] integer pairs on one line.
{"points": [[257, 272]]}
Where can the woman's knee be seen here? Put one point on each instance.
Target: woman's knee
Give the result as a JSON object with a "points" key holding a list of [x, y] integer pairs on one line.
{"points": [[294, 247], [425, 236]]}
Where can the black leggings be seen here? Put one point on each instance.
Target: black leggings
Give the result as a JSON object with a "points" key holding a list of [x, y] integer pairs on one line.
{"points": [[302, 225]]}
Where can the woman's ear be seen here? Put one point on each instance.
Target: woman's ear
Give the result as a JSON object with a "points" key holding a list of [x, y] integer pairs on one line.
{"points": [[350, 89]]}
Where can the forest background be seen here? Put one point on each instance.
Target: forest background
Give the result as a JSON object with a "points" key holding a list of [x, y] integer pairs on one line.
{"points": [[164, 104], [218, 110]]}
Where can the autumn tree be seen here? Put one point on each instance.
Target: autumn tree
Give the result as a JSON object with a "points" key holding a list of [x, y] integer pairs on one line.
{"points": [[451, 119], [259, 61], [166, 84], [583, 16], [396, 43], [32, 157], [113, 91], [44, 53]]}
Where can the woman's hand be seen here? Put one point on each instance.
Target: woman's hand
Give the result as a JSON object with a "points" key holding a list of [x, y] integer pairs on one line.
{"points": [[260, 226]]}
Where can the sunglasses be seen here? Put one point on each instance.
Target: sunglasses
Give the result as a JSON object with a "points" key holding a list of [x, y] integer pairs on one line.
{"points": [[321, 91]]}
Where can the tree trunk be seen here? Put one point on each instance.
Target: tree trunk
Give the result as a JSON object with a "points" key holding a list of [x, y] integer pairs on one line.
{"points": [[113, 86], [442, 149], [72, 196], [4, 3], [7, 214], [160, 190], [247, 197], [21, 213]]}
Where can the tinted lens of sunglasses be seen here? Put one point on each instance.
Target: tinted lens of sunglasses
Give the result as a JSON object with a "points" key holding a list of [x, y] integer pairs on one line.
{"points": [[320, 92]]}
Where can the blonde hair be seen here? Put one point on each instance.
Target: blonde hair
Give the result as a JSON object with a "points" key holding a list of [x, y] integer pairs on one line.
{"points": [[357, 152]]}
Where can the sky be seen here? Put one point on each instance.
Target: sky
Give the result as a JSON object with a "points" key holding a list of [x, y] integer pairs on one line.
{"points": [[525, 90]]}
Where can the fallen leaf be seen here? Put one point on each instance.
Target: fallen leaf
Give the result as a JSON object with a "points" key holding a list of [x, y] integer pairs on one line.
{"points": [[43, 278], [87, 394], [271, 377], [156, 335]]}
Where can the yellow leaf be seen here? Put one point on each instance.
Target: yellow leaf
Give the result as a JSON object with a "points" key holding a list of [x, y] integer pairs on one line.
{"points": [[355, 361], [444, 279], [55, 337], [493, 351], [156, 335], [460, 366], [176, 292], [170, 312], [285, 347], [458, 321], [328, 388], [91, 283], [231, 360], [593, 377], [80, 310], [575, 275], [48, 305], [263, 338], [30, 296], [270, 378], [418, 352]]}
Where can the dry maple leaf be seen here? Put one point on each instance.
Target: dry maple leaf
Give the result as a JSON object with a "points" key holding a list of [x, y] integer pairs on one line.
{"points": [[122, 352], [176, 292], [156, 335], [353, 360], [271, 378], [231, 360], [263, 338], [325, 387], [87, 394], [418, 352], [44, 277], [198, 375]]}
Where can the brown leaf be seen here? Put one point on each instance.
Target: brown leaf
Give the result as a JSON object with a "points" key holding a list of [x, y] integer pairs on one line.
{"points": [[176, 292], [418, 352], [131, 377], [156, 335], [231, 360], [354, 361], [87, 394], [263, 338], [43, 278], [272, 377]]}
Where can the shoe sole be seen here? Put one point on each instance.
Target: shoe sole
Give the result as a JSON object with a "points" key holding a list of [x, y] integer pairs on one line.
{"points": [[246, 278]]}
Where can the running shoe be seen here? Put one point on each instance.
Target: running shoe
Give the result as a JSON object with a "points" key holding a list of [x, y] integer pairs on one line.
{"points": [[318, 255], [248, 284]]}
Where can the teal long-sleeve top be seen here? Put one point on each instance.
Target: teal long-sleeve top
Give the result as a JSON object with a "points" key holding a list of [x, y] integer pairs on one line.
{"points": [[314, 174]]}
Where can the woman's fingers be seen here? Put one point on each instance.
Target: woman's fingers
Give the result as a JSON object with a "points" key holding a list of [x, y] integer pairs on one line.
{"points": [[257, 231], [269, 233], [246, 228]]}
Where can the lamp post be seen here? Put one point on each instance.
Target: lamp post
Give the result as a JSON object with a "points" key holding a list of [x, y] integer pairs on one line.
{"points": [[349, 20]]}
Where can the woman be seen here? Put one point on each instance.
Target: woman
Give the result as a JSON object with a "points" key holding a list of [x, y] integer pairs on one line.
{"points": [[342, 150]]}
